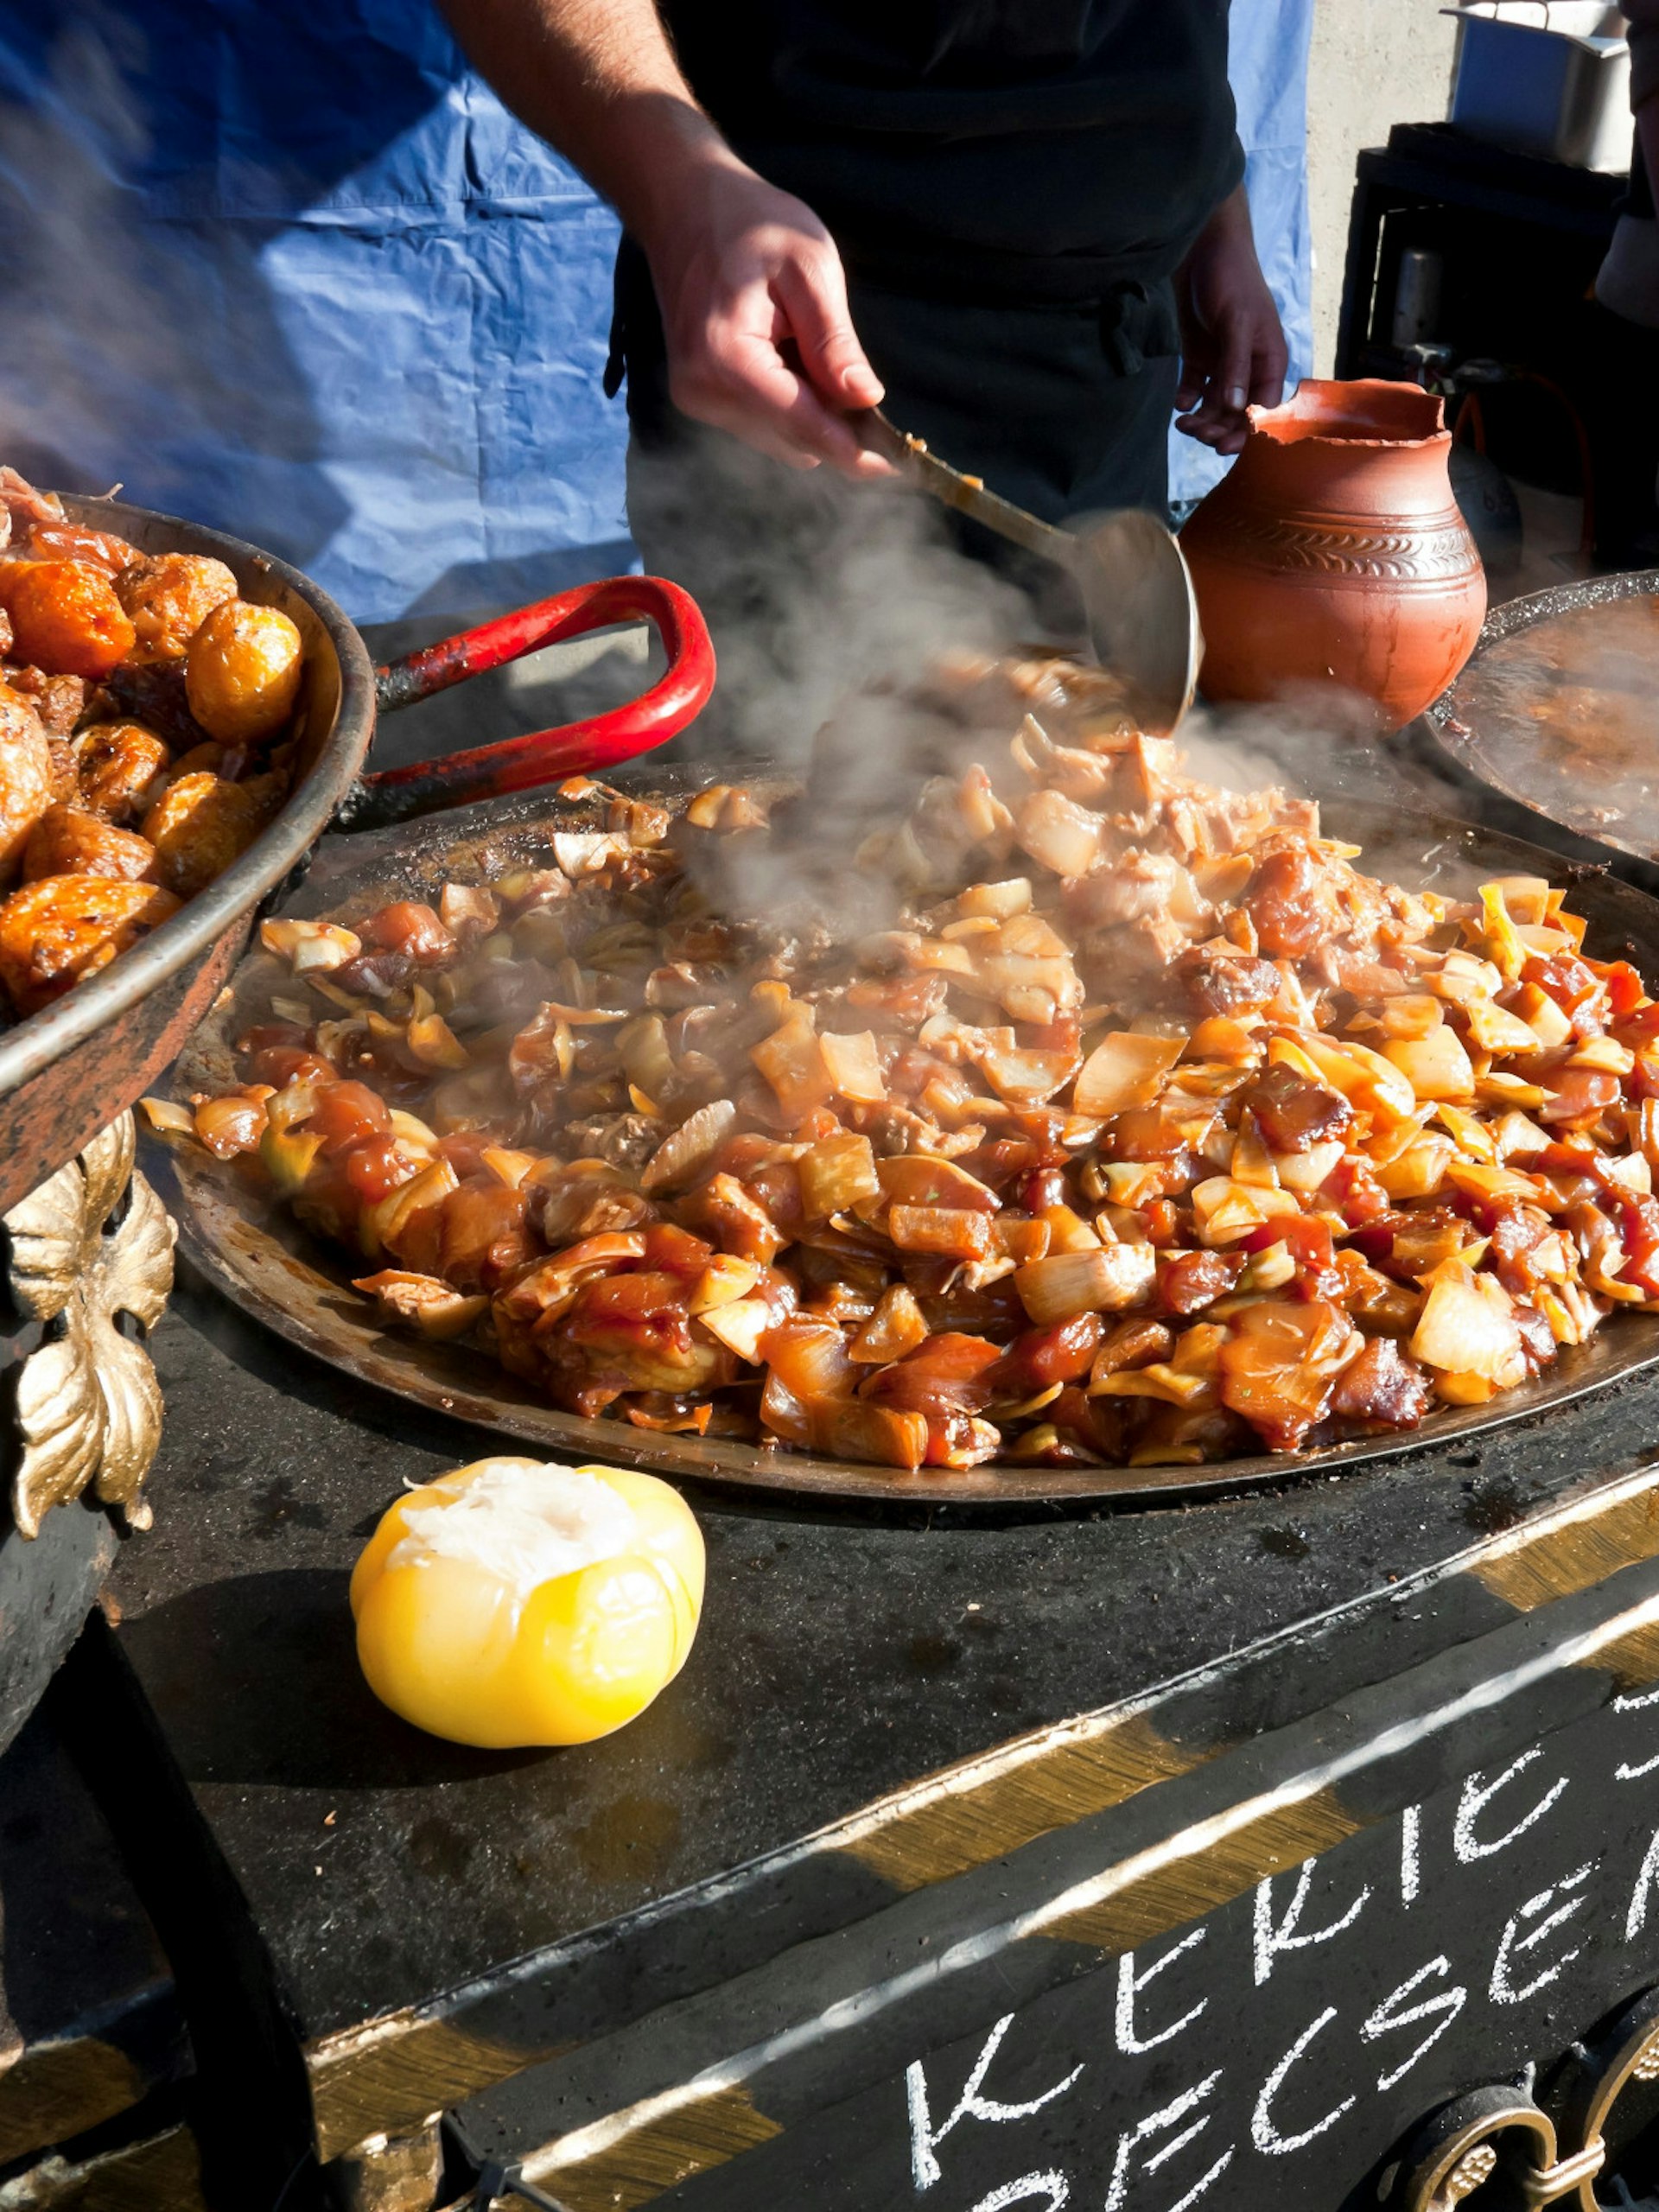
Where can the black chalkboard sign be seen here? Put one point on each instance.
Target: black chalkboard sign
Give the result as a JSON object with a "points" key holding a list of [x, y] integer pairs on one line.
{"points": [[1270, 2055]]}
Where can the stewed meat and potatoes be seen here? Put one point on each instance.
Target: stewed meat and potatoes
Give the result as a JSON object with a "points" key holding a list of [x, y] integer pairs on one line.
{"points": [[143, 709], [1145, 1128]]}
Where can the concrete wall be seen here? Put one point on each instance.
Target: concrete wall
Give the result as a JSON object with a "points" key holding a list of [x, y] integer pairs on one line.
{"points": [[1373, 63]]}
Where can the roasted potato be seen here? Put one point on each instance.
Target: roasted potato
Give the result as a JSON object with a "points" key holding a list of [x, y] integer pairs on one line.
{"points": [[242, 672], [207, 759], [116, 763], [200, 824], [168, 597], [25, 778], [64, 927], [68, 841], [66, 619]]}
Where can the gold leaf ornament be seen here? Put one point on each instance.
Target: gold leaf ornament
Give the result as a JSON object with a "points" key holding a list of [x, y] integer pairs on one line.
{"points": [[88, 1404]]}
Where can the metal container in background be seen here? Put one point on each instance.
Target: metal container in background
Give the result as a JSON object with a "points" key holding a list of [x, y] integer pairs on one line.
{"points": [[1417, 297], [1546, 77]]}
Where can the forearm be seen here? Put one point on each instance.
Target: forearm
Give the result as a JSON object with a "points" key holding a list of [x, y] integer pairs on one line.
{"points": [[598, 80], [752, 298]]}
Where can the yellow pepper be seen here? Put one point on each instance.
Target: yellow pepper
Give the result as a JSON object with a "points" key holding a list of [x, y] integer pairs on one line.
{"points": [[512, 1603]]}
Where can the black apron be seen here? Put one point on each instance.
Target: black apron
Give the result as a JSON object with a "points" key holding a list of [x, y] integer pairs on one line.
{"points": [[1011, 185]]}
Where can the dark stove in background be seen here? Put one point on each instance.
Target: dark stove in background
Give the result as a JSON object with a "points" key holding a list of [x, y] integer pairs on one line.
{"points": [[1471, 267]]}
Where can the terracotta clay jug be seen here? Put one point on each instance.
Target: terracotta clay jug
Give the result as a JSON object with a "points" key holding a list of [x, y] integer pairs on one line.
{"points": [[1333, 552]]}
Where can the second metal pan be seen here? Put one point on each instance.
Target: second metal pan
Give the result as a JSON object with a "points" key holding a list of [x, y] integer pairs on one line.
{"points": [[1557, 709]]}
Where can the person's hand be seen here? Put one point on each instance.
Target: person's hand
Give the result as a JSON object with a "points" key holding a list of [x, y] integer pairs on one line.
{"points": [[1233, 347], [760, 340]]}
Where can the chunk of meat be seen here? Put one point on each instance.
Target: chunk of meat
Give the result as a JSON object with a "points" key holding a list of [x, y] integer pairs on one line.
{"points": [[1380, 1388], [1517, 1230], [1188, 1282], [411, 927], [23, 508], [1293, 1112], [60, 700], [168, 597], [78, 540], [486, 1238], [54, 933], [155, 697], [1132, 887], [66, 618], [117, 764], [68, 841], [1216, 982], [26, 781], [637, 1326], [1291, 903], [1037, 1358]]}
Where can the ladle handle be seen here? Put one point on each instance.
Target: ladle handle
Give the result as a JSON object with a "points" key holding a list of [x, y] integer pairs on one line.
{"points": [[967, 494], [574, 748]]}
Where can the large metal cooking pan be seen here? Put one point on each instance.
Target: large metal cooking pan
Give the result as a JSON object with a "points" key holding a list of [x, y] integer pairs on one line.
{"points": [[291, 1284], [67, 1072], [1557, 710]]}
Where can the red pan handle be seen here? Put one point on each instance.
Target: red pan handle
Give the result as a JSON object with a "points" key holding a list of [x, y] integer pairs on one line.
{"points": [[520, 763]]}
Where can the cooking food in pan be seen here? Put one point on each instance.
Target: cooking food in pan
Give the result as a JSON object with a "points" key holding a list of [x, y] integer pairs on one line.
{"points": [[1142, 1126], [143, 709]]}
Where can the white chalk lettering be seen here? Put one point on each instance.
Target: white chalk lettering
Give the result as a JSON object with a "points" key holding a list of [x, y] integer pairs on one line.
{"points": [[1271, 1939], [1637, 1918], [1476, 1794], [1153, 2123], [1443, 2008], [1264, 2132], [1053, 2184], [924, 2137], [1411, 1829], [1503, 1989], [1130, 1985], [1636, 1705]]}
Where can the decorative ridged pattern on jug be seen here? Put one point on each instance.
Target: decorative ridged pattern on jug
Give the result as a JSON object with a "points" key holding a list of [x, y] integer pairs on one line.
{"points": [[1436, 551]]}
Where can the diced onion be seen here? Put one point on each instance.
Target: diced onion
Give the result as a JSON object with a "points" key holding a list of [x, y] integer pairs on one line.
{"points": [[1057, 834], [1304, 1172], [1125, 1070], [999, 900], [686, 1151], [167, 1114], [836, 1174], [1436, 1065], [1419, 1171], [896, 1327], [1467, 1326], [1224, 1211], [739, 1324], [1106, 1279], [854, 1066]]}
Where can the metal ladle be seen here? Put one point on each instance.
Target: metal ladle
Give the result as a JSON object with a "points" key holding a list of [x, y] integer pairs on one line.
{"points": [[1137, 594]]}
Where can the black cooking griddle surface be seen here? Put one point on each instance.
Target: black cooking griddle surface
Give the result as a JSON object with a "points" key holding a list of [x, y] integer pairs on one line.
{"points": [[844, 1651]]}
